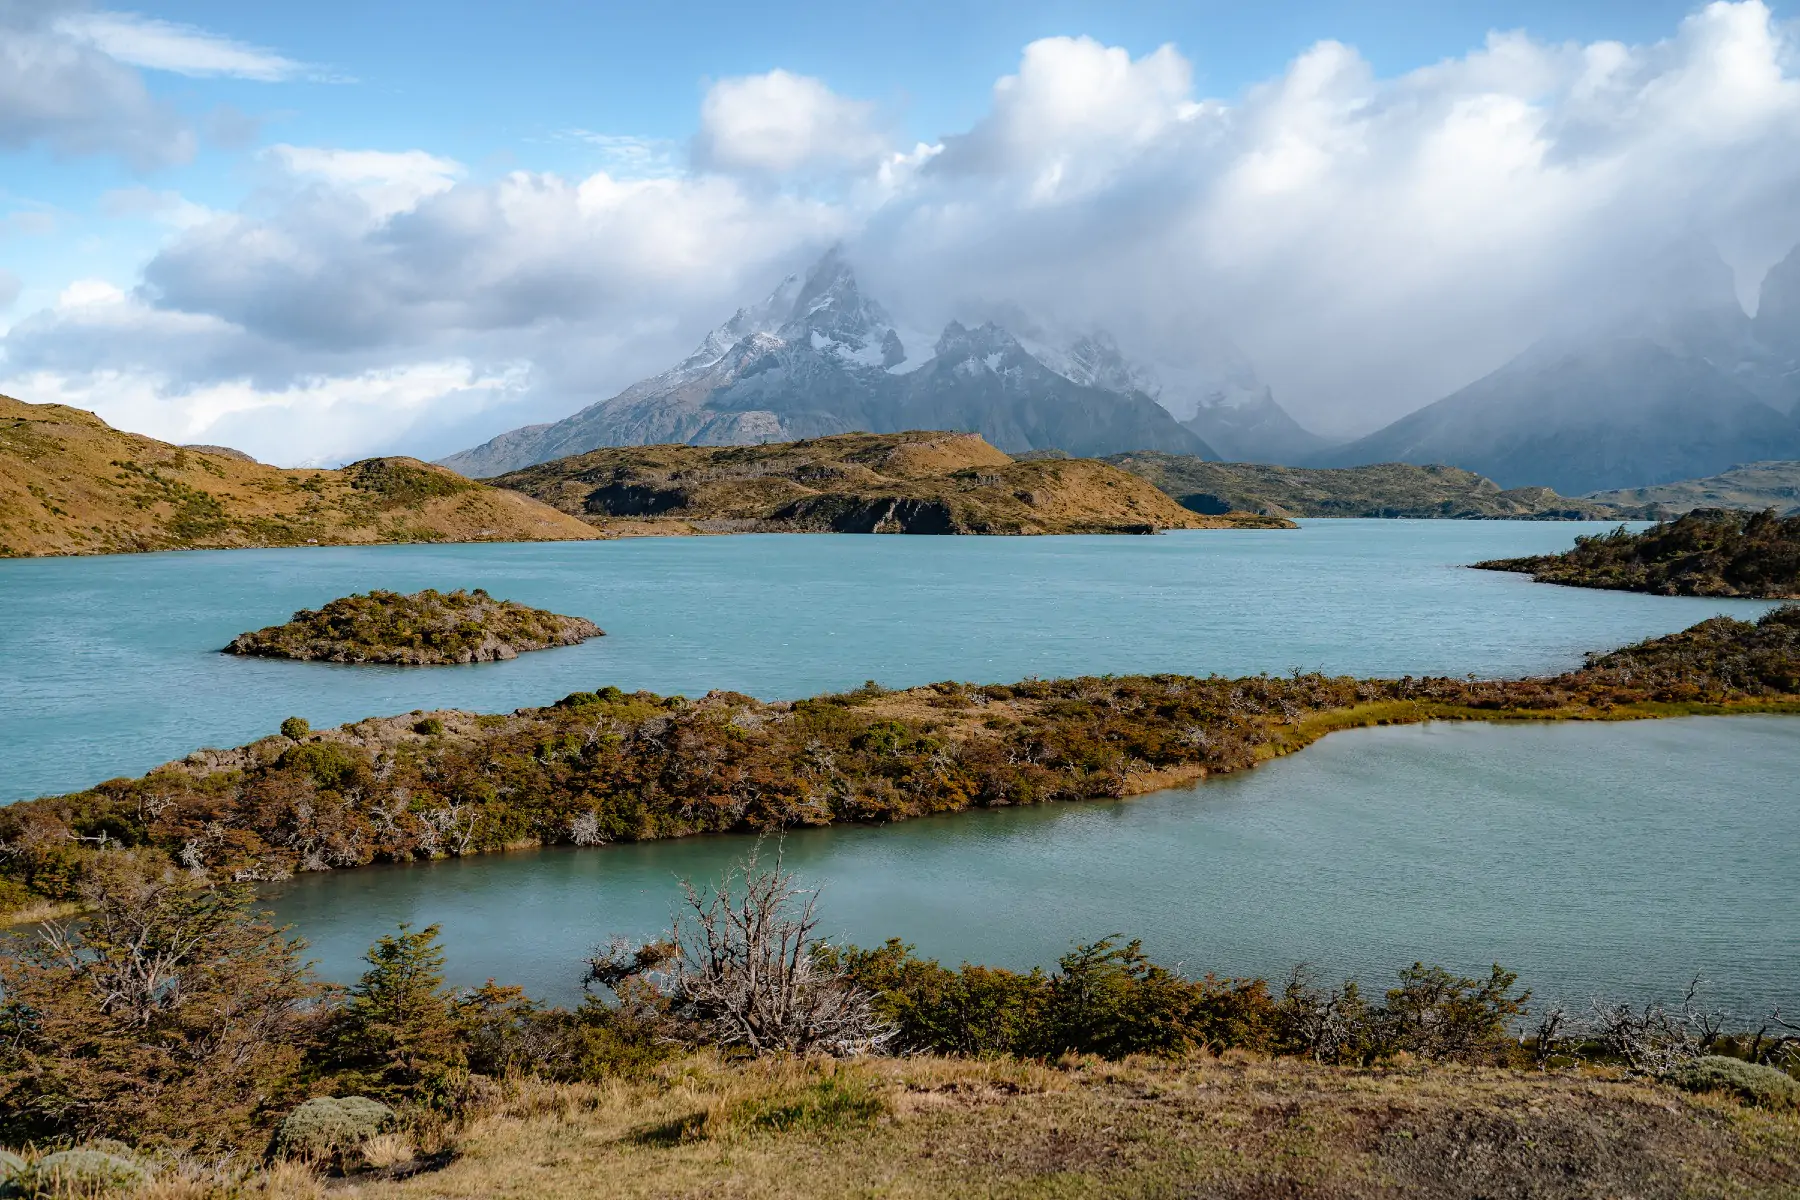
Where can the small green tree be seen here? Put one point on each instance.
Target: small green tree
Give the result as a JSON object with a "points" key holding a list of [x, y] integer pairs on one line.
{"points": [[295, 728], [1437, 1015], [398, 1034]]}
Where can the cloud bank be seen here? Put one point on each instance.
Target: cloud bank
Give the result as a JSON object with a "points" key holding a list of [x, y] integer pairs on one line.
{"points": [[1372, 243]]}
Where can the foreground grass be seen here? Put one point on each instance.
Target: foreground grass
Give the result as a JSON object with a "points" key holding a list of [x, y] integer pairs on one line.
{"points": [[1234, 1127]]}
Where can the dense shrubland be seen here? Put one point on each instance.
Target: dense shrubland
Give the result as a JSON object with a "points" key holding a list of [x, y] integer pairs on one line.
{"points": [[606, 766], [172, 1027], [1707, 552]]}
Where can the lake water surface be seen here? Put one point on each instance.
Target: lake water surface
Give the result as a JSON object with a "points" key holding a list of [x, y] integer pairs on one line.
{"points": [[1617, 859], [1590, 857], [109, 666]]}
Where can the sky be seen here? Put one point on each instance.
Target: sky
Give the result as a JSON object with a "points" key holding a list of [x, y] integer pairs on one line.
{"points": [[323, 231]]}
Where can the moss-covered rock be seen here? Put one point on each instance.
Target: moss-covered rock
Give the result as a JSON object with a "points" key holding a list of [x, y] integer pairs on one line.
{"points": [[1753, 1083], [328, 1126]]}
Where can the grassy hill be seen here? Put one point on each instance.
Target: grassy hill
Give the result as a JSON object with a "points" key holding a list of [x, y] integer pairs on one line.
{"points": [[1384, 490], [917, 482], [1707, 552], [72, 484], [1758, 486]]}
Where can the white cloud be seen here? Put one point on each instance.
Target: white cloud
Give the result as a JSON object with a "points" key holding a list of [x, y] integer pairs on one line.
{"points": [[167, 207], [1075, 112], [67, 94], [30, 222], [1372, 242], [626, 156], [781, 121], [312, 421], [389, 182], [9, 289], [182, 49]]}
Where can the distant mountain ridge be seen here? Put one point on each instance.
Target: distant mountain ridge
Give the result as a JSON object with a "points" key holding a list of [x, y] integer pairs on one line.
{"points": [[1396, 490], [1757, 485], [818, 357], [1668, 395]]}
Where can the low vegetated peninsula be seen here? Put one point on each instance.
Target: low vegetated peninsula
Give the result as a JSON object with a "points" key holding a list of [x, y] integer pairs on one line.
{"points": [[1399, 490], [1707, 552], [72, 484], [428, 628], [609, 766], [917, 482]]}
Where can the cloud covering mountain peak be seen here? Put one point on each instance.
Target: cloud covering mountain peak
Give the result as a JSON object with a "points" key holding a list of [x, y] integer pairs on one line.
{"points": [[1371, 242]]}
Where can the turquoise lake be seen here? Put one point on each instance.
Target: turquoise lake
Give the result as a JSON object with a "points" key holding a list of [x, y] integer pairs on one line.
{"points": [[1618, 860], [1616, 857], [109, 665]]}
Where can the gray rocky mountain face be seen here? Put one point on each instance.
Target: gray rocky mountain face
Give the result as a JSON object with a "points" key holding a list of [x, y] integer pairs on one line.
{"points": [[819, 357], [1226, 405], [1623, 412], [1666, 394]]}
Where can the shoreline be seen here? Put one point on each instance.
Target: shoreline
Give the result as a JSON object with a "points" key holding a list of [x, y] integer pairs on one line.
{"points": [[610, 767], [1133, 786]]}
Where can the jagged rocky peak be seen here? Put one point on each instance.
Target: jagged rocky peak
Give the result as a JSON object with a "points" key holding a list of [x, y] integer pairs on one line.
{"points": [[764, 318], [1094, 359], [959, 342], [831, 307]]}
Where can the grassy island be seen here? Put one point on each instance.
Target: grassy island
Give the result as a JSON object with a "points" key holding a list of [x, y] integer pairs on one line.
{"points": [[609, 766], [1707, 552], [428, 628]]}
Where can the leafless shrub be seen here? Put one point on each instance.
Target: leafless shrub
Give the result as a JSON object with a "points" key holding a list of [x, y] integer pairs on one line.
{"points": [[740, 969], [584, 830], [1655, 1039], [1326, 1023]]}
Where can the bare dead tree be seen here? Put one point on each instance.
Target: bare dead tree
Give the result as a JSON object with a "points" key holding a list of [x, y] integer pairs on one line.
{"points": [[1655, 1039], [1326, 1023], [1547, 1038], [740, 967]]}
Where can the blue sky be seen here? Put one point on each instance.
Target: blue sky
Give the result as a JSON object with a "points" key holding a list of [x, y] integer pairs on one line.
{"points": [[173, 198]]}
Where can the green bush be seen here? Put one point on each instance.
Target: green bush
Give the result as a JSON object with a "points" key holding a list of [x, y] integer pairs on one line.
{"points": [[295, 728], [1753, 1083], [430, 726], [329, 1126], [82, 1171]]}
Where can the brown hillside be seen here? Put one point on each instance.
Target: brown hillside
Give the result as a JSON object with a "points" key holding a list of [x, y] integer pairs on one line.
{"points": [[72, 484], [917, 482]]}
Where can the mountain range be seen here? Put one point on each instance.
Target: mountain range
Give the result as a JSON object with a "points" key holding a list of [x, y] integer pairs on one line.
{"points": [[1678, 390], [819, 357], [1667, 394]]}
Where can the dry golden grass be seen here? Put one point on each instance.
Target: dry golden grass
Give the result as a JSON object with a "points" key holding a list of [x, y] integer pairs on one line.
{"points": [[71, 484], [1238, 1127]]}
